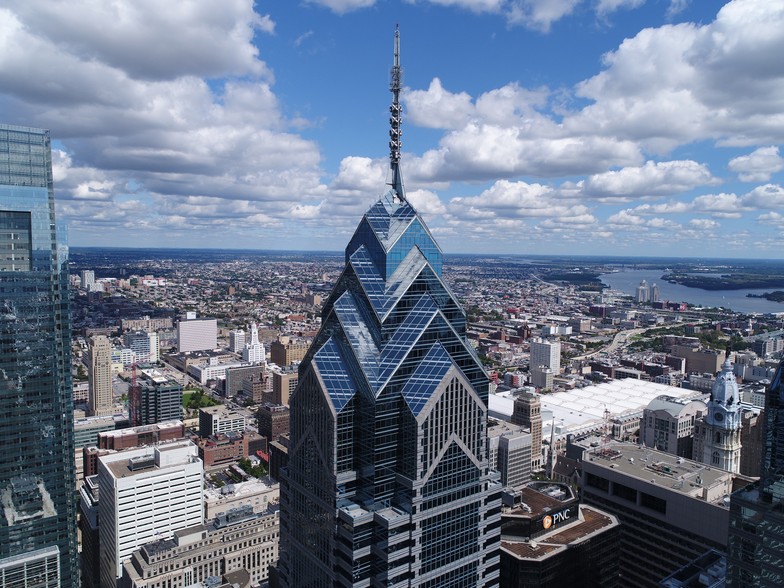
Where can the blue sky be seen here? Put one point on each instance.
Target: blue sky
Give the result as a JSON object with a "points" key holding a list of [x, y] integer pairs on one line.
{"points": [[629, 127]]}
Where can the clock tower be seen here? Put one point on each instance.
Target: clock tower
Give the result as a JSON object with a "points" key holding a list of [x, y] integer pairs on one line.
{"points": [[720, 427]]}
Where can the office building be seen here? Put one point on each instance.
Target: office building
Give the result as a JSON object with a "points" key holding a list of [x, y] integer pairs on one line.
{"points": [[145, 495], [86, 430], [707, 571], [698, 360], [284, 382], [386, 485], [542, 378], [765, 345], [528, 413], [237, 340], [278, 456], [752, 441], [214, 420], [146, 323], [194, 334], [546, 354], [100, 401], [514, 379], [671, 509], [273, 420], [223, 449], [237, 540], [549, 539], [236, 376], [756, 532], [667, 424], [257, 389], [509, 450], [90, 555], [287, 350], [142, 435], [254, 352], [37, 473], [159, 400], [87, 279], [144, 345]]}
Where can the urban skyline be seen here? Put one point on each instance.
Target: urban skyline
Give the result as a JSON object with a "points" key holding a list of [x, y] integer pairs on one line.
{"points": [[607, 127]]}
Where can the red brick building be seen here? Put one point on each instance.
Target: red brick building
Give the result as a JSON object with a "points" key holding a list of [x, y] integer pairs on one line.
{"points": [[222, 450], [144, 435]]}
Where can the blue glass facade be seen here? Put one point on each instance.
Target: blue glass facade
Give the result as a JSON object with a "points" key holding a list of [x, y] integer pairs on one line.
{"points": [[37, 478], [756, 536], [388, 481]]}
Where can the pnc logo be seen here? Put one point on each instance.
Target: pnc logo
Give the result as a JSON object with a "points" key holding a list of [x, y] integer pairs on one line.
{"points": [[559, 517]]}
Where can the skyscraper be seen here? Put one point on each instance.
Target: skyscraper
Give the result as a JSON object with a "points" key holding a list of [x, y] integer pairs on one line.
{"points": [[254, 351], [643, 292], [528, 413], [37, 486], [388, 480], [546, 353], [99, 359], [755, 557]]}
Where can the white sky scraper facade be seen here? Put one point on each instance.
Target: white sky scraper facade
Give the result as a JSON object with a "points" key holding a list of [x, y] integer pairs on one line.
{"points": [[254, 351], [388, 481]]}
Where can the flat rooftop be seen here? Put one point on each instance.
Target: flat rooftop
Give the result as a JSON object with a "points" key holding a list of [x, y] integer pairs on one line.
{"points": [[583, 408], [669, 471], [591, 522], [535, 503], [166, 425], [247, 488]]}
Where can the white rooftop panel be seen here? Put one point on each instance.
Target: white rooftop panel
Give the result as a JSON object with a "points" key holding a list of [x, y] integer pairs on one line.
{"points": [[578, 409]]}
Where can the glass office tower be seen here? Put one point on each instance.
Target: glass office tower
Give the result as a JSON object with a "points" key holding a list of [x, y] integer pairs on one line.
{"points": [[388, 481], [37, 489], [756, 537]]}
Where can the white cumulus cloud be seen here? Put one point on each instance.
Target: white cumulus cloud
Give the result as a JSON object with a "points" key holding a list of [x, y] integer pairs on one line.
{"points": [[759, 165], [652, 179]]}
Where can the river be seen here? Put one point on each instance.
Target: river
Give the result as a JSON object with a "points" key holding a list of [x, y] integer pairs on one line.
{"points": [[627, 281]]}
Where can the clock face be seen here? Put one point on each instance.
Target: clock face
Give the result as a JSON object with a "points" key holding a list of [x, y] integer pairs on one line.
{"points": [[718, 416]]}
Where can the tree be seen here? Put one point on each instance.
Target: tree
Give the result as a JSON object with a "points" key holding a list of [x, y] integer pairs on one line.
{"points": [[258, 471]]}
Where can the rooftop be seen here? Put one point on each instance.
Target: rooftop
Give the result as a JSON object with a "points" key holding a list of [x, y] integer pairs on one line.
{"points": [[248, 488], [675, 473], [536, 500], [590, 522], [134, 461], [580, 409]]}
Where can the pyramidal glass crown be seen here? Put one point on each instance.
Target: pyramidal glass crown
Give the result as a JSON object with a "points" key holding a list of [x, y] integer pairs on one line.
{"points": [[388, 481]]}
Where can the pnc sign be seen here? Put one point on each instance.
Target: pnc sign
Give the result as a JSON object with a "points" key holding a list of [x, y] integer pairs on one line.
{"points": [[559, 517]]}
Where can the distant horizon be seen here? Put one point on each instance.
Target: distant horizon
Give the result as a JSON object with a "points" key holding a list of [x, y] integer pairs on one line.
{"points": [[465, 254]]}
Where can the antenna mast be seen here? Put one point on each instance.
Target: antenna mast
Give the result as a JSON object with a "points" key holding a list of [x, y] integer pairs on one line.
{"points": [[396, 119]]}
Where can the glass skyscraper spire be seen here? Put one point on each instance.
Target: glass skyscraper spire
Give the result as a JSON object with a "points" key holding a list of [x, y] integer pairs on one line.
{"points": [[37, 490], [388, 481]]}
